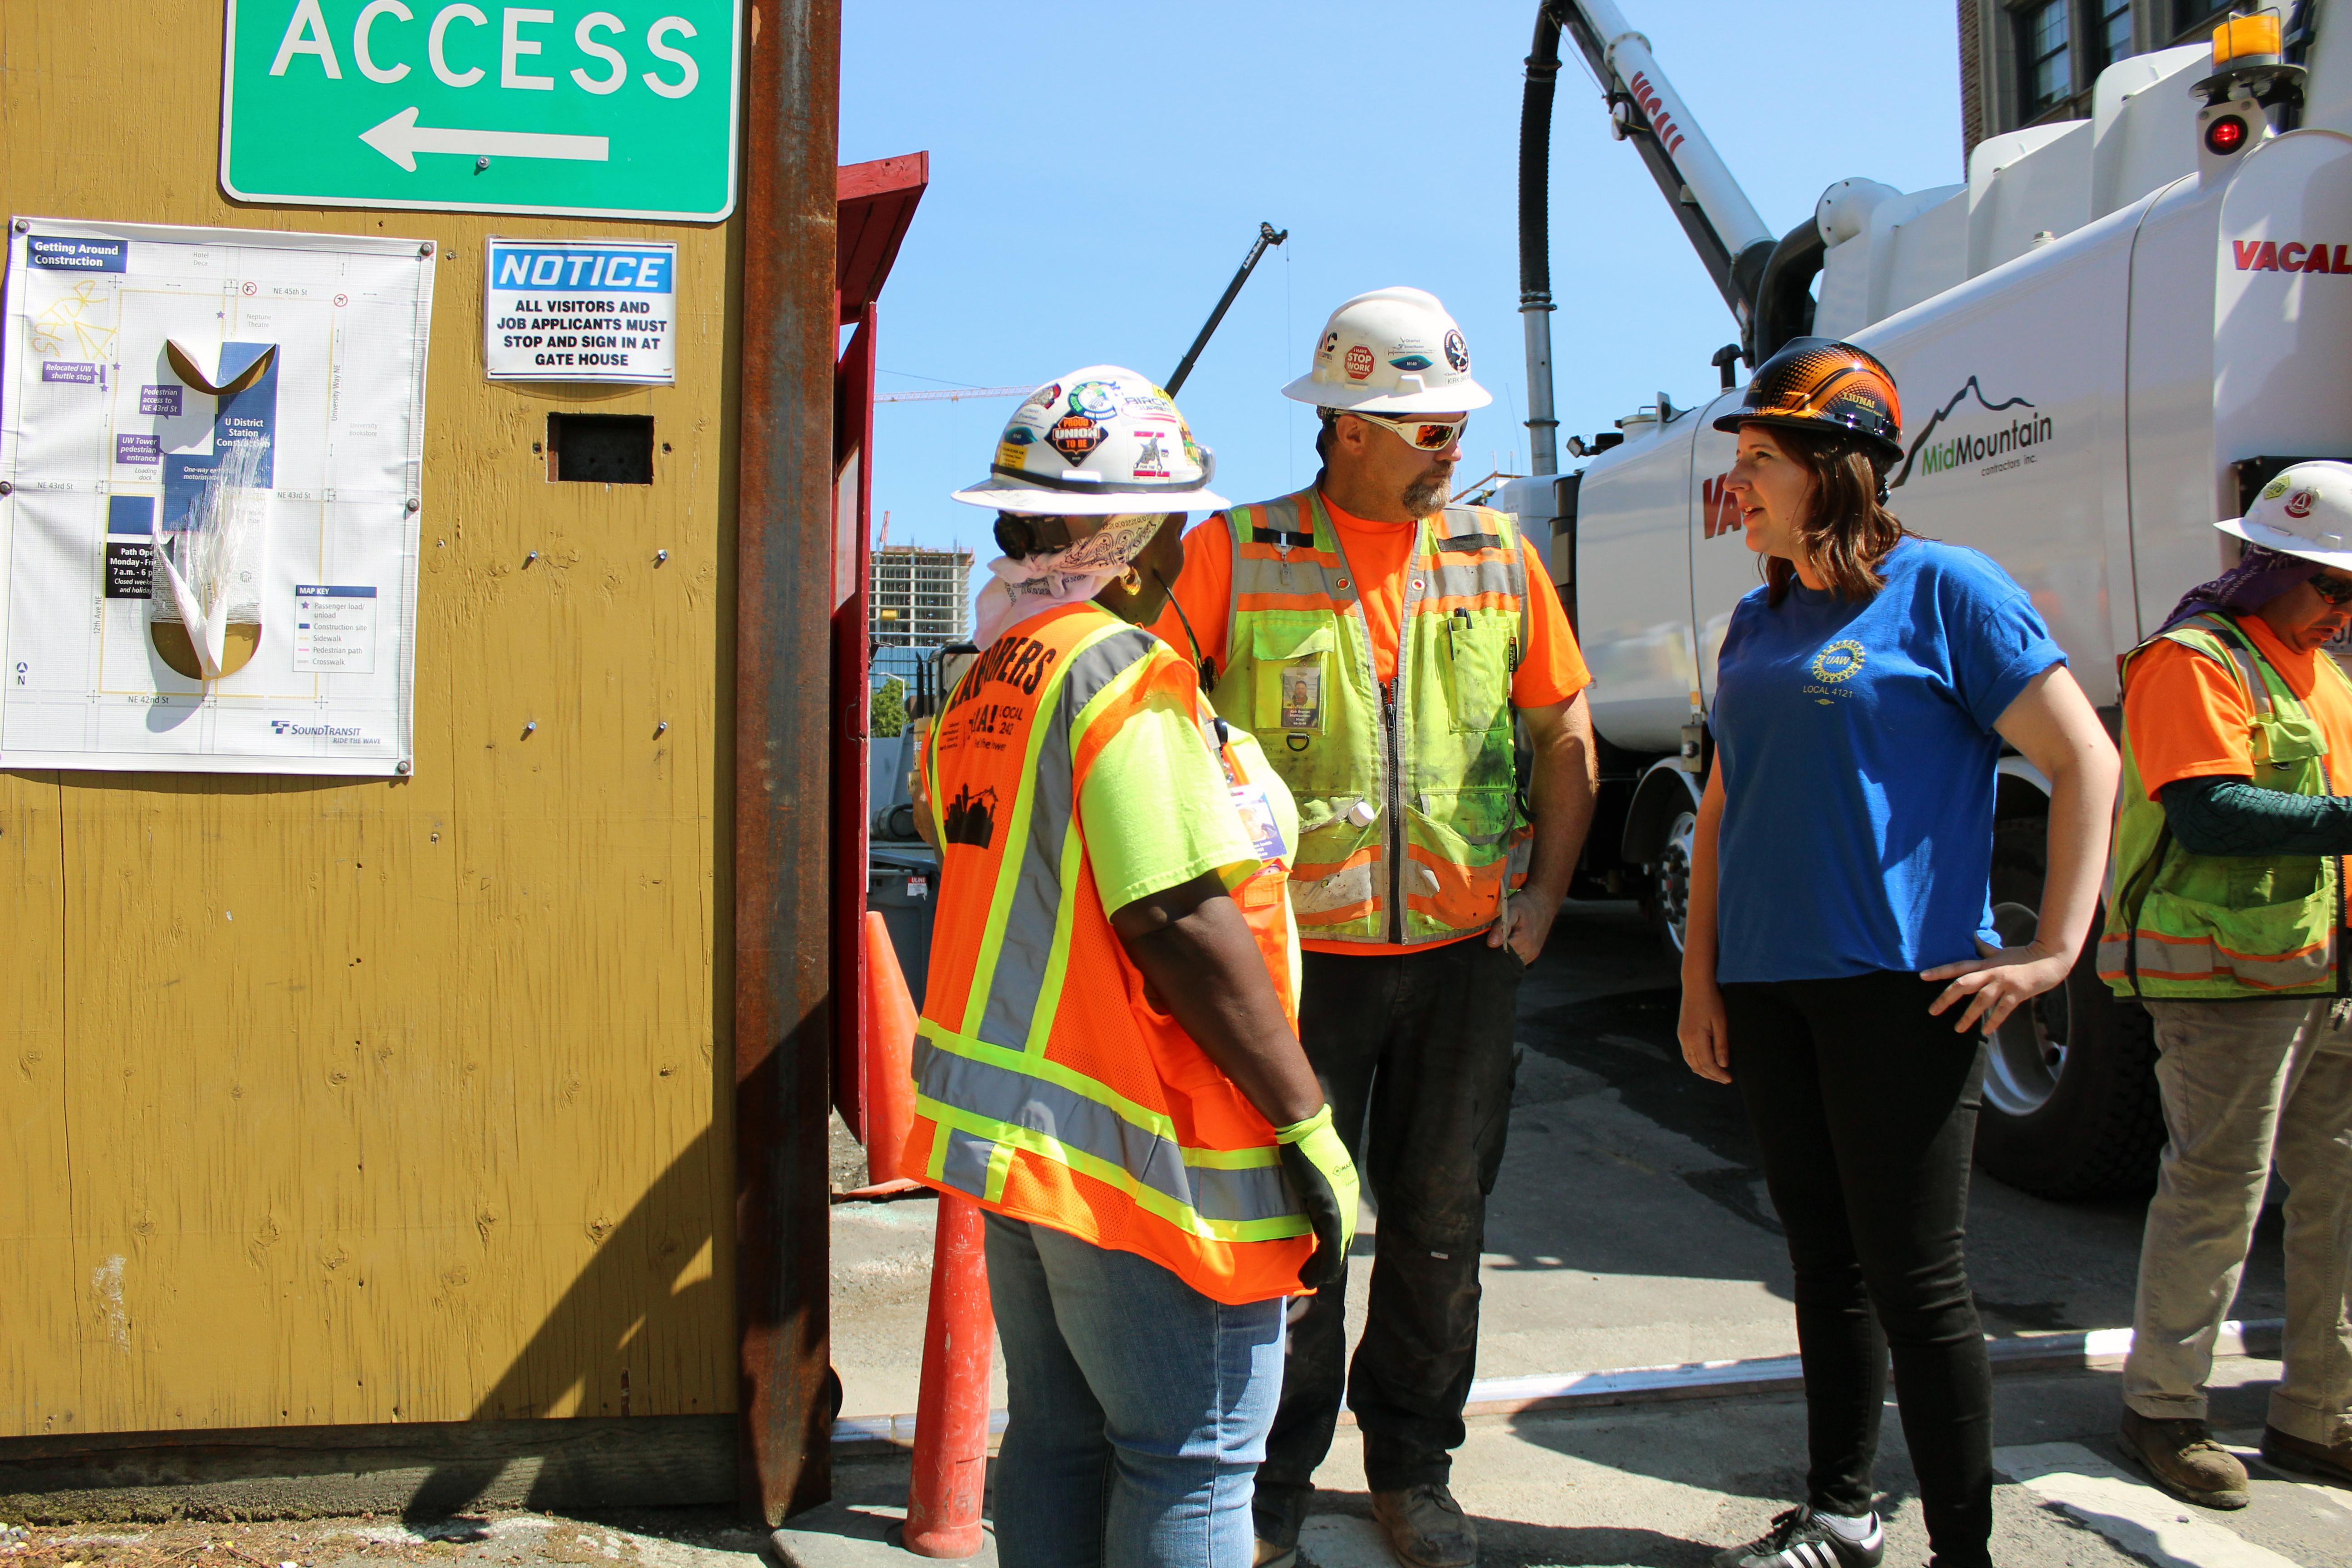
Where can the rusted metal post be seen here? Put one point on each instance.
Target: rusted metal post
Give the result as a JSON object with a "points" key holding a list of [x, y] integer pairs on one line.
{"points": [[783, 609]]}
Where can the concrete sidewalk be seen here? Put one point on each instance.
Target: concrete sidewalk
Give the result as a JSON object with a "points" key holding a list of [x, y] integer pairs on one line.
{"points": [[1666, 1485], [1661, 1485]]}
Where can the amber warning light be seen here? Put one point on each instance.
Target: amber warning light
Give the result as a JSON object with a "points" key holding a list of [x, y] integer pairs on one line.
{"points": [[2225, 135]]}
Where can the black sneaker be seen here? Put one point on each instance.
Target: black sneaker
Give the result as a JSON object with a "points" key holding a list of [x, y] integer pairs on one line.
{"points": [[1798, 1540]]}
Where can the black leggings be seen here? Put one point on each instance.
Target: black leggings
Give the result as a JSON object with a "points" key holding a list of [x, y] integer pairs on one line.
{"points": [[1865, 1110]]}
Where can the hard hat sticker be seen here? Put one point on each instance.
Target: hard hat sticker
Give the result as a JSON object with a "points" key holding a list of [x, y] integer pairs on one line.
{"points": [[1359, 363], [1151, 461], [1458, 352], [1075, 437], [1093, 398]]}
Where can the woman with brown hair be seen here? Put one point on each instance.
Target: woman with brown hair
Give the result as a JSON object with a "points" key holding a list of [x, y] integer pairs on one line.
{"points": [[1841, 950]]}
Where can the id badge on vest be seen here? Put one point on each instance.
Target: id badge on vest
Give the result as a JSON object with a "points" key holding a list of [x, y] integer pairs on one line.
{"points": [[1302, 695], [1258, 818]]}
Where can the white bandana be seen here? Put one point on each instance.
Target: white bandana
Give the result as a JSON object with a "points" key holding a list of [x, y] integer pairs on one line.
{"points": [[1053, 578]]}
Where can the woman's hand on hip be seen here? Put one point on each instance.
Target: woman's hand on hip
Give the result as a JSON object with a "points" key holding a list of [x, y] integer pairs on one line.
{"points": [[1706, 1040], [1995, 984]]}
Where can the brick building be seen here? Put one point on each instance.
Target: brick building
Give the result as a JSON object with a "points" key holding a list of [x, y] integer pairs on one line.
{"points": [[2023, 62]]}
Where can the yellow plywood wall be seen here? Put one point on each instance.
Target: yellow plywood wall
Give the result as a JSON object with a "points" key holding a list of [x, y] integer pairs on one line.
{"points": [[332, 1102]]}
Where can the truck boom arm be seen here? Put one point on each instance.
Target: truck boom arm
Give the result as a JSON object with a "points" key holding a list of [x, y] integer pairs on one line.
{"points": [[1724, 227]]}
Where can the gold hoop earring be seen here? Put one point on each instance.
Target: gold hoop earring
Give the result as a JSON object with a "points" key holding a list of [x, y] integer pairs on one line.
{"points": [[1131, 581]]}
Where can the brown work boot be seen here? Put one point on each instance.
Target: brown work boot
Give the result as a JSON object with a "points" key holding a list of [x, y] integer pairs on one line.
{"points": [[2182, 1457], [2328, 1461], [1426, 1528]]}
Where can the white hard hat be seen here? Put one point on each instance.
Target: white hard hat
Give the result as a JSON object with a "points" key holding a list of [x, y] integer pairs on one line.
{"points": [[1099, 441], [2306, 511], [1392, 351]]}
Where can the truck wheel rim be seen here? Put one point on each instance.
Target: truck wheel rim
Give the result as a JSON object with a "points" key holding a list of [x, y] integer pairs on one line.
{"points": [[1672, 885], [2027, 1053]]}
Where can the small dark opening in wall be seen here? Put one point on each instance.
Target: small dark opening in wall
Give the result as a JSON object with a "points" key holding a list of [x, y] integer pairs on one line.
{"points": [[601, 448]]}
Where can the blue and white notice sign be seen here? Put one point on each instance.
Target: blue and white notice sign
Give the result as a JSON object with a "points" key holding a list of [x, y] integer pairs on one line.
{"points": [[591, 310]]}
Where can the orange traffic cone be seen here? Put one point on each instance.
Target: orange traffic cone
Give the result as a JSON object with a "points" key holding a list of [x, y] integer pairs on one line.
{"points": [[887, 1009], [951, 1465]]}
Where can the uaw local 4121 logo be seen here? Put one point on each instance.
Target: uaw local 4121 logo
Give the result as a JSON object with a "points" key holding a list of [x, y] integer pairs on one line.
{"points": [[1959, 435], [333, 734]]}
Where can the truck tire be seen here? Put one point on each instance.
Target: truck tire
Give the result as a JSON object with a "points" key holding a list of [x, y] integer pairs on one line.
{"points": [[2071, 1108], [1665, 881]]}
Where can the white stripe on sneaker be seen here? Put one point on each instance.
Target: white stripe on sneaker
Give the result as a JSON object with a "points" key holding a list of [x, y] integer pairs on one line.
{"points": [[2129, 1511]]}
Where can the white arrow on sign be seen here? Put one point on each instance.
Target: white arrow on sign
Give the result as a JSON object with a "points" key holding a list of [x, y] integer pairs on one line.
{"points": [[400, 139]]}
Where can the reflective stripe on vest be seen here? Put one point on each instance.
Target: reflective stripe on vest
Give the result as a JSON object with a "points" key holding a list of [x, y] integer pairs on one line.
{"points": [[1047, 1088], [1434, 769], [2182, 926]]}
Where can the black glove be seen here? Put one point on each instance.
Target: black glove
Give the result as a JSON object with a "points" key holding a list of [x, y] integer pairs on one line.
{"points": [[1324, 1180]]}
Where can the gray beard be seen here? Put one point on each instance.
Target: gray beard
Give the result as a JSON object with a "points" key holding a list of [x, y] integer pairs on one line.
{"points": [[1426, 495]]}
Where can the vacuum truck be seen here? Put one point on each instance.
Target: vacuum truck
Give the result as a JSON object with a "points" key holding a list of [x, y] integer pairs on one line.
{"points": [[2112, 335]]}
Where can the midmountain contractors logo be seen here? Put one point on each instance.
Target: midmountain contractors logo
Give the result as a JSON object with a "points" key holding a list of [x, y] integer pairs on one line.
{"points": [[1938, 451]]}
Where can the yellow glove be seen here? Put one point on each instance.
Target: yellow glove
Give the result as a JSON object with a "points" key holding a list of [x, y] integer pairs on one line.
{"points": [[1324, 1178]]}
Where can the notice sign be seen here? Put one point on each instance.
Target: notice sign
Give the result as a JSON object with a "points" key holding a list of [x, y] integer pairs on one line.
{"points": [[580, 310]]}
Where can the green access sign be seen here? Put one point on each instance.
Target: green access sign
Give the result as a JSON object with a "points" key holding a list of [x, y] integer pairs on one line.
{"points": [[593, 107]]}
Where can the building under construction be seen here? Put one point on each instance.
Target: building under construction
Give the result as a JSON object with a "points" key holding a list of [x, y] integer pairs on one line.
{"points": [[920, 598]]}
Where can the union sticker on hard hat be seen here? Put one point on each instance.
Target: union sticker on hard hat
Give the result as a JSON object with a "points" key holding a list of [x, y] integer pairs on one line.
{"points": [[1302, 695]]}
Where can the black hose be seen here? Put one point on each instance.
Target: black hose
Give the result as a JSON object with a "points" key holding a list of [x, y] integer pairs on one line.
{"points": [[1784, 298], [1535, 162]]}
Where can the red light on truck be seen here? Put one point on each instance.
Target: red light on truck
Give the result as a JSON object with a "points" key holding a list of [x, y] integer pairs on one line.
{"points": [[2225, 135]]}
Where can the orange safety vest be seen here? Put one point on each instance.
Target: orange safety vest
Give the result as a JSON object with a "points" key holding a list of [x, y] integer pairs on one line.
{"points": [[1048, 1086]]}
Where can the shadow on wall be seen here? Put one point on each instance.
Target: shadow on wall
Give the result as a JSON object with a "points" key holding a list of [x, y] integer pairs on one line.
{"points": [[624, 1327]]}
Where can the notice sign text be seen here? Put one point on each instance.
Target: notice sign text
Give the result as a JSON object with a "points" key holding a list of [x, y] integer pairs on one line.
{"points": [[580, 310]]}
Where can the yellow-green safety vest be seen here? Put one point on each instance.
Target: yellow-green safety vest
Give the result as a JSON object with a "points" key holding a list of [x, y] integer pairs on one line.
{"points": [[2181, 926], [1411, 827]]}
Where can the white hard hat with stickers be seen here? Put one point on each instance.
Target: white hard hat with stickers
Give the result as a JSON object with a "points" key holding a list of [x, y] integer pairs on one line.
{"points": [[2306, 510], [1392, 351], [1099, 441]]}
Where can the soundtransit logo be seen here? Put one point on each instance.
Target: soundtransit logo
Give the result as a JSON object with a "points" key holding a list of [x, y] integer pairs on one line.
{"points": [[2014, 441], [341, 735]]}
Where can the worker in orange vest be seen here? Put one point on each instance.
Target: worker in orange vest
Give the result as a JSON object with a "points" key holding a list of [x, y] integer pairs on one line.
{"points": [[1107, 1061], [1386, 647]]}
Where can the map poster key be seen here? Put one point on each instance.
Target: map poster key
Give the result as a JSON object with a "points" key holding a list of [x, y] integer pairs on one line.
{"points": [[562, 109], [334, 628], [591, 310]]}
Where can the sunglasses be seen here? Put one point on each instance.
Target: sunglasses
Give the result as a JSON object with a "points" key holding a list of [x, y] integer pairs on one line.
{"points": [[2336, 591], [1429, 435]]}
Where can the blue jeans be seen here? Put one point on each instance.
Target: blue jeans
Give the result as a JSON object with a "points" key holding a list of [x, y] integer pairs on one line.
{"points": [[1138, 1407]]}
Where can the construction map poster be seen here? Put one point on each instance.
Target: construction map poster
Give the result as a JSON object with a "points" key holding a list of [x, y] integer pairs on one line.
{"points": [[211, 476]]}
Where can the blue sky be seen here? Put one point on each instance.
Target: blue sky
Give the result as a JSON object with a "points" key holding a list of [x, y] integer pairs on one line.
{"points": [[1099, 172]]}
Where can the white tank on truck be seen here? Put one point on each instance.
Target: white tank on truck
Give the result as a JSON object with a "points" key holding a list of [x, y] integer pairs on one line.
{"points": [[2108, 338]]}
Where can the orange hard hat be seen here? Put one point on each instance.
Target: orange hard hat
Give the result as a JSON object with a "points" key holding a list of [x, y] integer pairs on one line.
{"points": [[1815, 384]]}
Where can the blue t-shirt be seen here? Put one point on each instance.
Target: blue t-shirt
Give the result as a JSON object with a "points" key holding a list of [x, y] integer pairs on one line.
{"points": [[1858, 758]]}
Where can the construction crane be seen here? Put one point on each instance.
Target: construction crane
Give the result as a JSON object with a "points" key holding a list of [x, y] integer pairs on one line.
{"points": [[953, 394], [1267, 234]]}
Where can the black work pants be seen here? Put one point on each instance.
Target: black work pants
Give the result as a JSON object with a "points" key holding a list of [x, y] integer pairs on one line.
{"points": [[1865, 1110], [1414, 1054]]}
